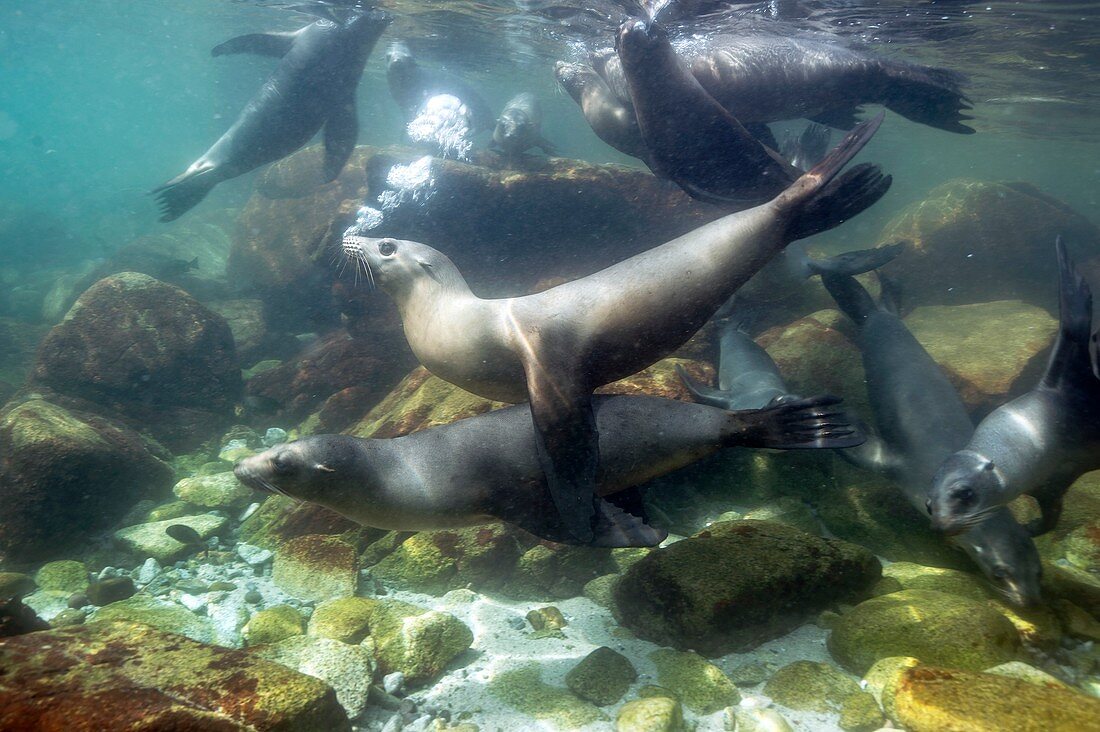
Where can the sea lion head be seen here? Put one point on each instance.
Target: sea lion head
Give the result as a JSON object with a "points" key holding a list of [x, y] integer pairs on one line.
{"points": [[398, 56], [512, 126], [574, 78], [316, 469], [963, 492], [398, 266], [1009, 560], [638, 40]]}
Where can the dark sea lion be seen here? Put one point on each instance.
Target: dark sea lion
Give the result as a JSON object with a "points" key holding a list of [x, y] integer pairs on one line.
{"points": [[411, 85], [747, 375], [487, 467], [692, 140], [610, 117], [1038, 443], [519, 126], [921, 421], [312, 87], [553, 348], [805, 150]]}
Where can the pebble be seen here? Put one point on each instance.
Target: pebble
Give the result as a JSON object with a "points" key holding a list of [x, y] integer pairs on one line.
{"points": [[148, 571], [253, 597], [274, 436], [253, 555], [221, 586], [252, 507], [515, 621], [78, 600], [394, 682], [192, 586]]}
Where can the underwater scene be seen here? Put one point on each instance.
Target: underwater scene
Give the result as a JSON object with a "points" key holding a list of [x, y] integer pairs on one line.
{"points": [[633, 365]]}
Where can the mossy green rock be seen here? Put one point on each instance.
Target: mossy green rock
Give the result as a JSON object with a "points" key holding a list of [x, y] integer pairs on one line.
{"points": [[1082, 547], [789, 511], [699, 684], [160, 614], [417, 642], [860, 713], [315, 567], [16, 584], [811, 686], [280, 519], [346, 668], [557, 571], [601, 590], [930, 699], [653, 714], [1024, 672], [221, 490], [346, 619], [126, 676], [602, 677], [65, 575], [934, 627], [738, 584], [882, 680], [151, 540], [273, 624], [524, 690], [912, 576], [167, 511]]}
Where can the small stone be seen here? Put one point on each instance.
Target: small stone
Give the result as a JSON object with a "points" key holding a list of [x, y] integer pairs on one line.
{"points": [[169, 511], [394, 682], [461, 596], [760, 719], [109, 590], [860, 713], [14, 584], [62, 576], [516, 622], [107, 573], [699, 684], [602, 677], [253, 555], [750, 674], [393, 724], [253, 597], [810, 686], [148, 571], [274, 436], [68, 617], [221, 586], [79, 600], [654, 714], [346, 619], [546, 618], [192, 586], [235, 450], [273, 625]]}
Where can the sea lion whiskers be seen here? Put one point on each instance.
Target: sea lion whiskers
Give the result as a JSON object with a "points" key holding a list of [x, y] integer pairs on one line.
{"points": [[353, 248]]}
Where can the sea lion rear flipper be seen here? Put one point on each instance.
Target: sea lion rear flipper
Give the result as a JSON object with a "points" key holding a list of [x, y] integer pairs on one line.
{"points": [[568, 446], [702, 393], [874, 455], [855, 262], [615, 528], [1071, 361], [841, 118], [762, 133], [341, 132], [816, 422], [851, 297], [182, 193], [275, 45]]}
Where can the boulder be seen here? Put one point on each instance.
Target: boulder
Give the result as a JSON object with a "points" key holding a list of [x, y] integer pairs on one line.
{"points": [[602, 677], [160, 614], [221, 490], [934, 627], [17, 584], [152, 539], [65, 475], [273, 624], [347, 669], [977, 241], [696, 682], [738, 584], [811, 686], [315, 567], [652, 714], [64, 575], [127, 676], [419, 643], [147, 352], [346, 619], [280, 519]]}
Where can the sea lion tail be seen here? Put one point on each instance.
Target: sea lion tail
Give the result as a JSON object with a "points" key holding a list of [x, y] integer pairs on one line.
{"points": [[819, 201], [182, 193], [817, 422], [930, 96]]}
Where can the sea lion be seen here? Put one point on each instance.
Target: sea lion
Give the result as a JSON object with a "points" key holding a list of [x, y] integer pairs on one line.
{"points": [[1038, 443], [692, 140], [920, 421], [519, 127], [312, 87], [610, 117], [805, 150], [486, 468], [411, 85], [553, 348]]}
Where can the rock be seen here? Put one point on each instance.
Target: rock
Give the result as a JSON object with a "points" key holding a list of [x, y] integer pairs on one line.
{"points": [[148, 571], [126, 676], [151, 540], [932, 699], [68, 617], [602, 677], [556, 571], [214, 491], [147, 352], [65, 476], [546, 618], [393, 683], [280, 519], [977, 241], [788, 511], [934, 627], [524, 690], [1075, 621], [167, 511], [253, 335], [416, 642], [751, 674], [700, 685], [347, 669], [105, 591], [273, 624], [602, 589], [65, 575], [738, 584], [161, 614], [882, 679], [346, 619], [991, 351], [860, 713], [655, 714], [910, 576], [254, 555], [316, 568], [1082, 547], [1069, 583], [810, 686], [1024, 672], [760, 719], [15, 584]]}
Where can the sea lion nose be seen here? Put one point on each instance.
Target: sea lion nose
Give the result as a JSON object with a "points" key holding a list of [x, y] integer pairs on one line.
{"points": [[353, 245]]}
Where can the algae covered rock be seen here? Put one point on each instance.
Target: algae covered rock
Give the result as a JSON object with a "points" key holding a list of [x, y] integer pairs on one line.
{"points": [[160, 614], [930, 699], [273, 624], [280, 519], [222, 490], [738, 584], [699, 684], [64, 575], [346, 668], [346, 619], [602, 677], [934, 627], [16, 584], [152, 540], [910, 576], [524, 690], [811, 686], [419, 643], [125, 676], [315, 567], [652, 714], [1024, 672]]}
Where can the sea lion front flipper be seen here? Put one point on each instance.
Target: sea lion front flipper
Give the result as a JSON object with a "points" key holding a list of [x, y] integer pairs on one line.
{"points": [[875, 455], [341, 132], [546, 146], [702, 393], [274, 45], [568, 446], [1050, 502], [855, 262], [182, 193]]}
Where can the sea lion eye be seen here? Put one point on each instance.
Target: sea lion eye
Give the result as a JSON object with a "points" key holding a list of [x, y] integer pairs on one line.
{"points": [[964, 495], [281, 465], [387, 248]]}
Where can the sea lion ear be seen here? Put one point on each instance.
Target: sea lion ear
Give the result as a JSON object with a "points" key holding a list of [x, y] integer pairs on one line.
{"points": [[430, 270], [324, 468], [988, 466]]}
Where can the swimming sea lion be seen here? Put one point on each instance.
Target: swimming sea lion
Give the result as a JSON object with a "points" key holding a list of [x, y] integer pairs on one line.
{"points": [[920, 421], [807, 148], [487, 468], [411, 85], [312, 87], [610, 118], [553, 348], [692, 140], [1038, 443], [519, 127]]}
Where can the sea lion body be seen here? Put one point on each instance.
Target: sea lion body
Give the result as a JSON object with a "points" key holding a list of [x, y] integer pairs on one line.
{"points": [[487, 468], [921, 421], [555, 347], [610, 117], [313, 87], [519, 126], [1038, 443]]}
